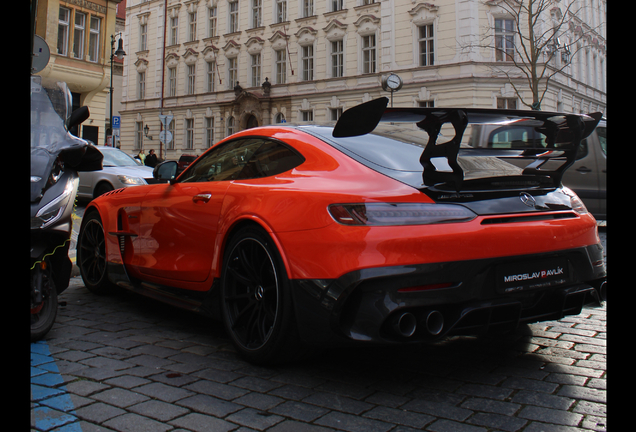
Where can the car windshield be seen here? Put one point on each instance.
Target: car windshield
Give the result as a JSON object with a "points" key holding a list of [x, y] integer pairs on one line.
{"points": [[114, 157]]}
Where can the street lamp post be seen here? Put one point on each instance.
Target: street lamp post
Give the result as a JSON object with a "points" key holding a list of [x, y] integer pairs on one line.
{"points": [[120, 53]]}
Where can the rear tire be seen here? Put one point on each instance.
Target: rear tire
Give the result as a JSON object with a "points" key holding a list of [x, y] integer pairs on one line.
{"points": [[256, 299], [43, 314], [91, 255]]}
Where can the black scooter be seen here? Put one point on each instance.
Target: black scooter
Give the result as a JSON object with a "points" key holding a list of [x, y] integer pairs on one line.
{"points": [[56, 158]]}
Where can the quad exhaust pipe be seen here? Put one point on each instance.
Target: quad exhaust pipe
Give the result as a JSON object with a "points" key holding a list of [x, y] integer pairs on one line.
{"points": [[405, 323]]}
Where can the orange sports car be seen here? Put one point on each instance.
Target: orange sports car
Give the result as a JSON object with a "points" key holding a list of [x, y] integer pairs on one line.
{"points": [[370, 231]]}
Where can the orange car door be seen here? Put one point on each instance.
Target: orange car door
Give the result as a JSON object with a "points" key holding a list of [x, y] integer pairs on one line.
{"points": [[178, 229]]}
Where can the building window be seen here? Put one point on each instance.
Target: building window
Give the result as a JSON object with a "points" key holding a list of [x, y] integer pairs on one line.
{"points": [[212, 21], [427, 43], [281, 11], [192, 70], [308, 8], [78, 35], [307, 115], [189, 134], [211, 76], [62, 31], [192, 26], [281, 67], [256, 69], [368, 54], [172, 81], [335, 113], [257, 11], [234, 16], [506, 103], [209, 131], [93, 39], [141, 85], [427, 104], [337, 5], [308, 62], [174, 30], [230, 126], [504, 39], [143, 37], [232, 72], [139, 135], [337, 59], [171, 128]]}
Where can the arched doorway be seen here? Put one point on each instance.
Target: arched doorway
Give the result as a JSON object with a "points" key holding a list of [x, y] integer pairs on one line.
{"points": [[252, 121]]}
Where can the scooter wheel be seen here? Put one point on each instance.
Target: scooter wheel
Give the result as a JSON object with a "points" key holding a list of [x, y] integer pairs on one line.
{"points": [[43, 313]]}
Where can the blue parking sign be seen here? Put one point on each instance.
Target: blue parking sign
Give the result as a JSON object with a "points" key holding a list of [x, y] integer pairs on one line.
{"points": [[116, 122]]}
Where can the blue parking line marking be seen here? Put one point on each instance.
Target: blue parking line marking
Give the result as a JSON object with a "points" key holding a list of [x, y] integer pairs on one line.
{"points": [[54, 407]]}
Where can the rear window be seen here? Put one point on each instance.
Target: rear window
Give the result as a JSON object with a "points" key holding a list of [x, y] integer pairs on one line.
{"points": [[395, 151]]}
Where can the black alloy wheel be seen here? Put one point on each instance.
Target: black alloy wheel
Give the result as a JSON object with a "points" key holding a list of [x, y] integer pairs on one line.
{"points": [[91, 254], [255, 297]]}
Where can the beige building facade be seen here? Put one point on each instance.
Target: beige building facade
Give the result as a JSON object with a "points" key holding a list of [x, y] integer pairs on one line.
{"points": [[77, 33], [212, 67]]}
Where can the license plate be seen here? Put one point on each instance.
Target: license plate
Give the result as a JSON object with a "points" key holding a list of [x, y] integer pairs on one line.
{"points": [[531, 275]]}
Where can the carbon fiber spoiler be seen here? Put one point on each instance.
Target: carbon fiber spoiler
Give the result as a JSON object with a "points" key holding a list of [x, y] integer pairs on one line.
{"points": [[557, 127]]}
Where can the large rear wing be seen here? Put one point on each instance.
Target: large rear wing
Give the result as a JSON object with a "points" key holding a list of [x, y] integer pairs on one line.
{"points": [[563, 133]]}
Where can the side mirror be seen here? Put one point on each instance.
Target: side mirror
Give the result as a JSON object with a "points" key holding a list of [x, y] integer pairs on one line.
{"points": [[78, 116], [166, 171]]}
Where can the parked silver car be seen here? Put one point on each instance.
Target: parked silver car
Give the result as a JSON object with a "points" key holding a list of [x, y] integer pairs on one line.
{"points": [[586, 177], [120, 170]]}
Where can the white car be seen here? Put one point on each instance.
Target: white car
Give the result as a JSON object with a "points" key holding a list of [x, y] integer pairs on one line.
{"points": [[119, 171]]}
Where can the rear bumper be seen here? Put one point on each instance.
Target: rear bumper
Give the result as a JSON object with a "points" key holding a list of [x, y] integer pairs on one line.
{"points": [[381, 305]]}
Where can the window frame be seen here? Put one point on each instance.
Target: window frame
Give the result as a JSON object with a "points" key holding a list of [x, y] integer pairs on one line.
{"points": [[307, 61], [337, 59], [233, 16], [367, 52], [94, 39], [66, 25], [255, 69], [79, 35], [280, 66], [192, 26], [503, 34], [426, 42]]}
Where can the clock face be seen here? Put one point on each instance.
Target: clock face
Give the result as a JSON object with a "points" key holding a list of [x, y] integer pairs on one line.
{"points": [[393, 81]]}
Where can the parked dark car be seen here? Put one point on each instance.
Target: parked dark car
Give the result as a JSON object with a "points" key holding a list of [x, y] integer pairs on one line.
{"points": [[184, 161]]}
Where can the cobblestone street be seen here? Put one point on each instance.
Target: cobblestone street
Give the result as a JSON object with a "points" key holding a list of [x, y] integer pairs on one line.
{"points": [[125, 363]]}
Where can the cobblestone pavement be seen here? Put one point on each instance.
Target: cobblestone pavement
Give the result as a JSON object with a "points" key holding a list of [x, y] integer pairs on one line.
{"points": [[126, 363]]}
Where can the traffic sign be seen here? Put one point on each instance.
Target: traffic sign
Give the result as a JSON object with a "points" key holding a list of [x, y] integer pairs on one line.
{"points": [[165, 136], [116, 122], [165, 119]]}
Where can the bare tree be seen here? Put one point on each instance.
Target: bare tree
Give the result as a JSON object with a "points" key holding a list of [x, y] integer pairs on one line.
{"points": [[535, 47]]}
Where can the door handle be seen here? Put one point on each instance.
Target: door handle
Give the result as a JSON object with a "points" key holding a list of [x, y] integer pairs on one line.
{"points": [[584, 169], [203, 197]]}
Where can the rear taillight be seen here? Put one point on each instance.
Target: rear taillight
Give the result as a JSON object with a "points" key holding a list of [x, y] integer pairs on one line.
{"points": [[575, 202], [391, 214]]}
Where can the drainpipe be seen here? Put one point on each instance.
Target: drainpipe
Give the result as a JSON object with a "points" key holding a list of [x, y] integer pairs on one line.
{"points": [[163, 72]]}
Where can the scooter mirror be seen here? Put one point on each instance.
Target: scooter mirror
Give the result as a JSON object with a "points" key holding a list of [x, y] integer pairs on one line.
{"points": [[78, 116]]}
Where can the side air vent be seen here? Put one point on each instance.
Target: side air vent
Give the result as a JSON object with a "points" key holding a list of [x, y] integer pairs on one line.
{"points": [[528, 218]]}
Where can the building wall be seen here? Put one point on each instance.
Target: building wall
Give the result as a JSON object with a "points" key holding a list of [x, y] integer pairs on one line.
{"points": [[87, 77], [463, 73]]}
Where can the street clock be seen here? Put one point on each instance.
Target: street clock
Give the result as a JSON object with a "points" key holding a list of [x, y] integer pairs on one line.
{"points": [[391, 82]]}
